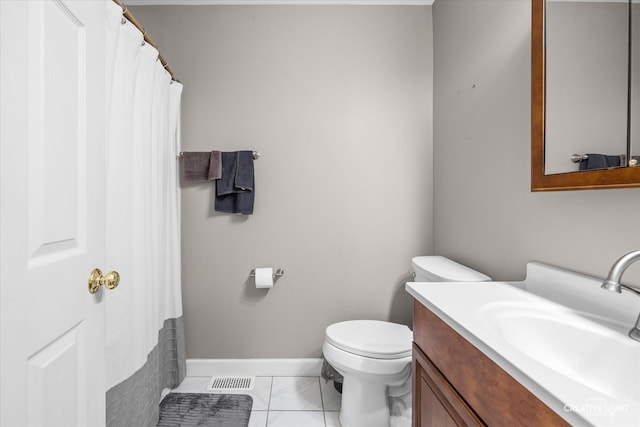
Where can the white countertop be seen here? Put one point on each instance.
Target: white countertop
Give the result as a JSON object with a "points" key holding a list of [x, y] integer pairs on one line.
{"points": [[584, 385]]}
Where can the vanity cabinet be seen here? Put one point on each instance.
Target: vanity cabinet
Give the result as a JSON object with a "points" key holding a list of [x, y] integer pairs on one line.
{"points": [[436, 402], [455, 384]]}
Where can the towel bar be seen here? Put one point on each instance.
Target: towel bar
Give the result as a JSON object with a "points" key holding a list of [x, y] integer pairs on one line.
{"points": [[254, 154], [577, 158]]}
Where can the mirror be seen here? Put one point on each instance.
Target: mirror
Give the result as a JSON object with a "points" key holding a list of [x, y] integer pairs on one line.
{"points": [[586, 80], [580, 95]]}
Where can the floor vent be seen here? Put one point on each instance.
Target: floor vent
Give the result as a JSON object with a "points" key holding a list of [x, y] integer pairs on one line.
{"points": [[227, 384]]}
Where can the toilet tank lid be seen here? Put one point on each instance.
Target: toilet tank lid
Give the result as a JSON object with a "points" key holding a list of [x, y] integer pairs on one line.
{"points": [[439, 268]]}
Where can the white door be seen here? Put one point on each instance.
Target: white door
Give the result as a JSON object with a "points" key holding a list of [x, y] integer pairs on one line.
{"points": [[52, 125]]}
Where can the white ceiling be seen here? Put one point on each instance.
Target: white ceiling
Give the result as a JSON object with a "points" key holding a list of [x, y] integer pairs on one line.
{"points": [[268, 2]]}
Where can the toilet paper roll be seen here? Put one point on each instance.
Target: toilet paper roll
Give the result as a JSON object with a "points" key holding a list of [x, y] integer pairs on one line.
{"points": [[264, 278]]}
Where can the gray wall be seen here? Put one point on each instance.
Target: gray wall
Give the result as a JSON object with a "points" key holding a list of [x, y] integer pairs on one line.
{"points": [[338, 100], [484, 213]]}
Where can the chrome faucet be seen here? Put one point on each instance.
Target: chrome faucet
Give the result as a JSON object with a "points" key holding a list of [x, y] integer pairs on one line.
{"points": [[612, 283]]}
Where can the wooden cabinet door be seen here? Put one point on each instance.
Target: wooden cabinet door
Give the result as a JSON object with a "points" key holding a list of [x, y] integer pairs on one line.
{"points": [[435, 401]]}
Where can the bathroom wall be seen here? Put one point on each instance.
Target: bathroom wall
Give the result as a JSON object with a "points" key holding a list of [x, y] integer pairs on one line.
{"points": [[338, 101], [484, 212]]}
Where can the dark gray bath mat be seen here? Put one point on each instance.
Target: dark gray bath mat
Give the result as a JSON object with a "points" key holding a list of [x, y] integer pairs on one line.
{"points": [[207, 410]]}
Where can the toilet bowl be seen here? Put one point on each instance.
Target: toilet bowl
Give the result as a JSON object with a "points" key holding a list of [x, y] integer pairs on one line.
{"points": [[374, 357]]}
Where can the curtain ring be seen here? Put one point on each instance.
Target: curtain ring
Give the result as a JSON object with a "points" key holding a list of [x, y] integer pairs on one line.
{"points": [[124, 10], [144, 34]]}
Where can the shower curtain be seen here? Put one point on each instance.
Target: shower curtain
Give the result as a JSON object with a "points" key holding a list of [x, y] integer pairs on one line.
{"points": [[144, 330]]}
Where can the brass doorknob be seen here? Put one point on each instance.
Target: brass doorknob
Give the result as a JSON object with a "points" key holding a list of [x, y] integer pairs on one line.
{"points": [[110, 280]]}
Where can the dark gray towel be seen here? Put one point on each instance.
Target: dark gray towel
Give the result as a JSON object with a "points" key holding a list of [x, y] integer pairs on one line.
{"points": [[235, 190], [196, 165], [596, 161]]}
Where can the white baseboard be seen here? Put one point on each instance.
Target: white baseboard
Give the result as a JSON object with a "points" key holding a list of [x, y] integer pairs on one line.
{"points": [[254, 367]]}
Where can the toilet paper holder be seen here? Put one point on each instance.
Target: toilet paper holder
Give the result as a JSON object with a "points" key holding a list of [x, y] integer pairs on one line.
{"points": [[279, 272]]}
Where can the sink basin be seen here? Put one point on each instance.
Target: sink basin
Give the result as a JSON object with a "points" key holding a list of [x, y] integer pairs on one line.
{"points": [[570, 343]]}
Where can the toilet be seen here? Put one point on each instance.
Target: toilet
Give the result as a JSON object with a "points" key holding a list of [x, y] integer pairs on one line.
{"points": [[374, 356]]}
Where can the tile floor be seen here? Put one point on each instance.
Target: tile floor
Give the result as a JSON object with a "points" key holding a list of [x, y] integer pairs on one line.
{"points": [[284, 401]]}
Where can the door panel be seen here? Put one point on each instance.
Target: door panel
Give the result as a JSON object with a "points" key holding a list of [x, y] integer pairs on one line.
{"points": [[56, 132], [51, 212], [52, 376]]}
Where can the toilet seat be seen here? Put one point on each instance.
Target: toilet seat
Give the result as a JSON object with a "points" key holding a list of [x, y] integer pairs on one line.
{"points": [[371, 338]]}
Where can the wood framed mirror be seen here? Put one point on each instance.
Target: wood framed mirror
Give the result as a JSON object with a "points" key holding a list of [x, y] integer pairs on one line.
{"points": [[541, 180]]}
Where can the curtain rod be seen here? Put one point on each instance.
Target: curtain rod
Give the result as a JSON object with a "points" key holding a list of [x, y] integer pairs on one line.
{"points": [[132, 19]]}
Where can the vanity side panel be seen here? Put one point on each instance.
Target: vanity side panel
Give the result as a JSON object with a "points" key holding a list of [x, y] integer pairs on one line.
{"points": [[493, 394]]}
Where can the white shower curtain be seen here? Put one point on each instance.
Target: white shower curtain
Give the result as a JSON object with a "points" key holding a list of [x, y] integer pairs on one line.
{"points": [[144, 333]]}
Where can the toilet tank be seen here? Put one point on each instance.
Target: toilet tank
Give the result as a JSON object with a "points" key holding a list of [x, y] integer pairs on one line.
{"points": [[440, 269]]}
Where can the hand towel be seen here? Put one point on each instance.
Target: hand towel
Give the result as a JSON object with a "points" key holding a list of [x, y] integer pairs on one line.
{"points": [[596, 161], [244, 171], [196, 165], [235, 190], [215, 165]]}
